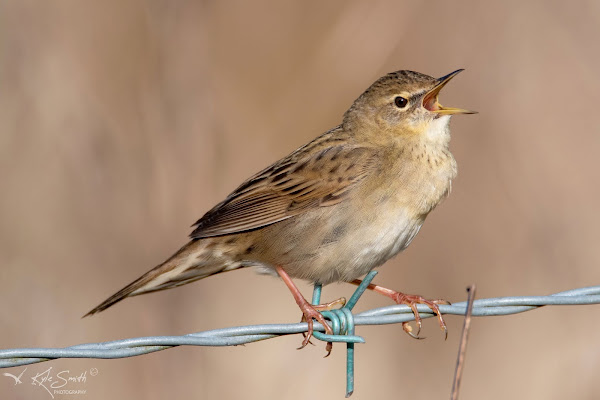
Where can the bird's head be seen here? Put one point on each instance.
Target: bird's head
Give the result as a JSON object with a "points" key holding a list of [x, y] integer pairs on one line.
{"points": [[403, 103]]}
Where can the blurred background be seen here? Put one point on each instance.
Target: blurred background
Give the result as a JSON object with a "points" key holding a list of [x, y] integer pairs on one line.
{"points": [[121, 123]]}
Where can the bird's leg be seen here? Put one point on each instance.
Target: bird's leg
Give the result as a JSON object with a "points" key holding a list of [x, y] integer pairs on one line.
{"points": [[411, 300], [308, 311]]}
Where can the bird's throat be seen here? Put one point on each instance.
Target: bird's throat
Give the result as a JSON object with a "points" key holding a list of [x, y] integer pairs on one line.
{"points": [[438, 131]]}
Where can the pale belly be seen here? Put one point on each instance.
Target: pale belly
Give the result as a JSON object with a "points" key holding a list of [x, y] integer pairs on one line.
{"points": [[336, 248]]}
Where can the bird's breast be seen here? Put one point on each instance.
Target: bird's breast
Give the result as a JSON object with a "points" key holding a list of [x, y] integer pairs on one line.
{"points": [[345, 241]]}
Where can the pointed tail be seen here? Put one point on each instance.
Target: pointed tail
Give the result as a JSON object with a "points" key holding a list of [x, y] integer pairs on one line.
{"points": [[191, 263]]}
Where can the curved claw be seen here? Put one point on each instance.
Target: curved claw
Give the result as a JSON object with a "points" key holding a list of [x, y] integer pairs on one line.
{"points": [[418, 321], [412, 301], [307, 336], [408, 329], [303, 319], [309, 313], [328, 349], [436, 310]]}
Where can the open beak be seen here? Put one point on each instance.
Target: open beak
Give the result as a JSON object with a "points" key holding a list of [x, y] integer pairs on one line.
{"points": [[430, 101]]}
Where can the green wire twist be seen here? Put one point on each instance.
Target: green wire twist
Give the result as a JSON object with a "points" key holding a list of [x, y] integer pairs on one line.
{"points": [[342, 324]]}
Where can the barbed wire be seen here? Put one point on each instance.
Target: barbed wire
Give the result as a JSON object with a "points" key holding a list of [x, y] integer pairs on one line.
{"points": [[253, 333], [343, 322]]}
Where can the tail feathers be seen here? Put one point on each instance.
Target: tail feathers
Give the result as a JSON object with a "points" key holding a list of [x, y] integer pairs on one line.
{"points": [[120, 295], [185, 266]]}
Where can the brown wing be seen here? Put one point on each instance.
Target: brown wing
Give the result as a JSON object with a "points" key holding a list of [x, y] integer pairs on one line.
{"points": [[319, 174]]}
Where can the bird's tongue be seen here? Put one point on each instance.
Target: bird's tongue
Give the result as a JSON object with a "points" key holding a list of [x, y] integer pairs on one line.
{"points": [[430, 102]]}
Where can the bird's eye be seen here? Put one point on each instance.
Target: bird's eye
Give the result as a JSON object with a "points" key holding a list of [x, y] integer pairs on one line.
{"points": [[400, 102]]}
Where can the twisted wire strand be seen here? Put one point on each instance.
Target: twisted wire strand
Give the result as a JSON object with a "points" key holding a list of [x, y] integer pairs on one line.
{"points": [[252, 333]]}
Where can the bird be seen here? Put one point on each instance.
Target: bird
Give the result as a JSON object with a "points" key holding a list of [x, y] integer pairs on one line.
{"points": [[335, 208]]}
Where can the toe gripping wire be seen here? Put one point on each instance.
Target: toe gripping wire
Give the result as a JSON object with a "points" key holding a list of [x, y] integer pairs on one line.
{"points": [[342, 324]]}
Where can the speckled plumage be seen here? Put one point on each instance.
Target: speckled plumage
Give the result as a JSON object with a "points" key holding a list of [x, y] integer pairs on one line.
{"points": [[335, 208]]}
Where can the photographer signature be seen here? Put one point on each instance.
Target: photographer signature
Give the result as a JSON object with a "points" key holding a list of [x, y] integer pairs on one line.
{"points": [[57, 382]]}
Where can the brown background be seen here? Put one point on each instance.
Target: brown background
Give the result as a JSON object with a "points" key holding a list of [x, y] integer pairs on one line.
{"points": [[123, 122]]}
